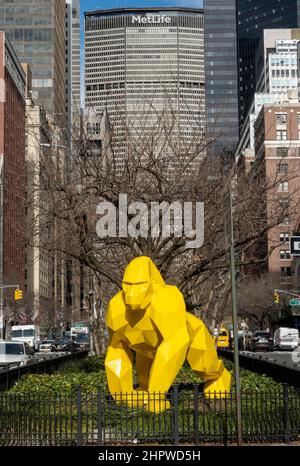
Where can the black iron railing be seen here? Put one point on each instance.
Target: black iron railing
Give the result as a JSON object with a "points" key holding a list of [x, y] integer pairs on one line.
{"points": [[97, 418]]}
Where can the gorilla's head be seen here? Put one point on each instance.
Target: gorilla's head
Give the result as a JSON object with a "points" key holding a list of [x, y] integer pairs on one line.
{"points": [[139, 279]]}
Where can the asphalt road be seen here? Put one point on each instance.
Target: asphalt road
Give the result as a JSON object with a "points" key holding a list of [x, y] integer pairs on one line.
{"points": [[278, 356], [50, 355]]}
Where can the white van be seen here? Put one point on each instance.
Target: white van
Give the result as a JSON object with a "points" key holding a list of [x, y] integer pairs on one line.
{"points": [[26, 333], [286, 338], [14, 352]]}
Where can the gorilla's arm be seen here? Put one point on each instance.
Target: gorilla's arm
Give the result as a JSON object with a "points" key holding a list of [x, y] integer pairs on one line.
{"points": [[118, 366], [118, 360]]}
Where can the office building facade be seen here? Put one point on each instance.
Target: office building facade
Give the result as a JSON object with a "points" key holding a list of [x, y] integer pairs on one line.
{"points": [[39, 262], [73, 102], [137, 60], [12, 175], [277, 144], [37, 31], [221, 74], [233, 31], [278, 60], [253, 16]]}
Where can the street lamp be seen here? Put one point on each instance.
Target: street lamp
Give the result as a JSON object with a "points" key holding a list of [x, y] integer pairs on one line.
{"points": [[91, 295], [234, 319]]}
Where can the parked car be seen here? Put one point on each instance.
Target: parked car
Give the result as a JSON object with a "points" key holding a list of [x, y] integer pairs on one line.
{"points": [[261, 341], [286, 338], [63, 344], [15, 352], [46, 346], [82, 341]]}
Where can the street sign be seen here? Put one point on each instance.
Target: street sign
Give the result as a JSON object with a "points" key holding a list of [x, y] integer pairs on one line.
{"points": [[295, 245], [295, 302]]}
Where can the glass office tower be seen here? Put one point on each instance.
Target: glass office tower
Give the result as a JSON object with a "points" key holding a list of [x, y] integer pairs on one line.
{"points": [[37, 31], [221, 79]]}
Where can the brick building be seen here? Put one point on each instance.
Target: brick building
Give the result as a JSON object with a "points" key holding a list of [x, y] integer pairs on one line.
{"points": [[12, 173], [277, 153]]}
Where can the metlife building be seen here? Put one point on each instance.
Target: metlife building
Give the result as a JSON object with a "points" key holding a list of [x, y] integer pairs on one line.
{"points": [[135, 59]]}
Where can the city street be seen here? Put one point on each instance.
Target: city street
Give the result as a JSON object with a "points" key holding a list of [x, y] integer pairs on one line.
{"points": [[275, 356]]}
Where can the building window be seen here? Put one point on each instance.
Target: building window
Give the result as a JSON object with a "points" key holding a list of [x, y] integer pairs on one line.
{"points": [[282, 151], [282, 168], [283, 203], [285, 255], [283, 187], [281, 118], [281, 135], [285, 271], [285, 220], [284, 237]]}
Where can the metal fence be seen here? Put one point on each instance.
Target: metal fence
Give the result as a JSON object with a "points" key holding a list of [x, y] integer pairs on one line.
{"points": [[190, 417]]}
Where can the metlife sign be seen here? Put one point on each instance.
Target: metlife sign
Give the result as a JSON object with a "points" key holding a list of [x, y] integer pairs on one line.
{"points": [[151, 19]]}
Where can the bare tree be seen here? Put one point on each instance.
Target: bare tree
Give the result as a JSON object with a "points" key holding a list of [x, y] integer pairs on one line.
{"points": [[256, 302], [161, 166]]}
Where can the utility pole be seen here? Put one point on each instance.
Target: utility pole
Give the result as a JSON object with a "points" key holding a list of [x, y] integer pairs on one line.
{"points": [[235, 325], [92, 321]]}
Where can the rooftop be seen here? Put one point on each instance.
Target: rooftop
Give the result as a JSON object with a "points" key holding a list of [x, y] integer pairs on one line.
{"points": [[142, 9]]}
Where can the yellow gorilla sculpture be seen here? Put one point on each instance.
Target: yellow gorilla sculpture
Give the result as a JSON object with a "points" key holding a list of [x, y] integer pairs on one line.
{"points": [[149, 318]]}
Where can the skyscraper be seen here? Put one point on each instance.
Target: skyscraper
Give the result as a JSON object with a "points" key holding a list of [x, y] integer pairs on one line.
{"points": [[221, 78], [37, 32], [136, 58], [12, 173], [73, 59]]}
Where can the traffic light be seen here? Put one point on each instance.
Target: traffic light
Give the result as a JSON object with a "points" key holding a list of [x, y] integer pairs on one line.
{"points": [[276, 297], [18, 294]]}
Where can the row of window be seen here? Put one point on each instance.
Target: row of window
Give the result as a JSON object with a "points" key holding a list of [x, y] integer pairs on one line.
{"points": [[285, 271], [281, 118], [36, 35], [284, 61], [101, 87], [285, 152], [284, 73], [285, 254], [281, 134]]}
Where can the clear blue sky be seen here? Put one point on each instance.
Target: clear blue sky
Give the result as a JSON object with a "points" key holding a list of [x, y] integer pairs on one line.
{"points": [[102, 4]]}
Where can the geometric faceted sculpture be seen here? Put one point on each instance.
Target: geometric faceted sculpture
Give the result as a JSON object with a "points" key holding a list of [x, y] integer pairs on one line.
{"points": [[149, 318]]}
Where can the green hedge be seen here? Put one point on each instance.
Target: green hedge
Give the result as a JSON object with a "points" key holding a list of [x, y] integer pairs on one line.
{"points": [[89, 373]]}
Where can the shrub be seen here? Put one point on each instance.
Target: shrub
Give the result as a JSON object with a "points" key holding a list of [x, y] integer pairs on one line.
{"points": [[89, 373]]}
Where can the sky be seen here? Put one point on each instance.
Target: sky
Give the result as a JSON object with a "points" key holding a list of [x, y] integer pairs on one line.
{"points": [[103, 4]]}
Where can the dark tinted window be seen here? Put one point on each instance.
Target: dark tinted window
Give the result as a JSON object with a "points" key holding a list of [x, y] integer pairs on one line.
{"points": [[11, 348]]}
